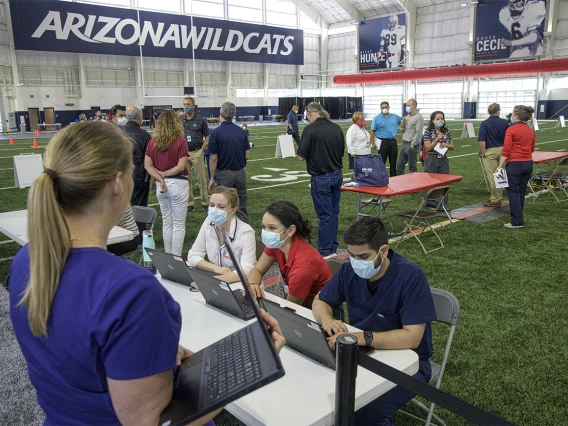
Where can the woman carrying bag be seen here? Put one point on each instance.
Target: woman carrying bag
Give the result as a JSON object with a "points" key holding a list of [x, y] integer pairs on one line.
{"points": [[358, 139]]}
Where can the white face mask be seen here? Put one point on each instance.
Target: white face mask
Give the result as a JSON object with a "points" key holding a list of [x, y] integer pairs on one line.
{"points": [[385, 111], [121, 121]]}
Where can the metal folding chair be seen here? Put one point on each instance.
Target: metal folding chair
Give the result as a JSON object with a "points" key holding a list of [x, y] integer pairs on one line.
{"points": [[420, 219], [557, 180], [334, 266], [143, 216], [447, 312], [375, 207]]}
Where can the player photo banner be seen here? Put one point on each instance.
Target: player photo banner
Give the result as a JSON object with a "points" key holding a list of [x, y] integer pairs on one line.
{"points": [[509, 29], [382, 42]]}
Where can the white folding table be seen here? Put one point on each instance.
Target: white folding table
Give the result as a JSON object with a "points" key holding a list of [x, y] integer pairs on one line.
{"points": [[15, 226], [306, 394]]}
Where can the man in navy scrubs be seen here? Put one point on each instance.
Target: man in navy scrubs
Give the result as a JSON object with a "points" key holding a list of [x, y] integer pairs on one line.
{"points": [[388, 297]]}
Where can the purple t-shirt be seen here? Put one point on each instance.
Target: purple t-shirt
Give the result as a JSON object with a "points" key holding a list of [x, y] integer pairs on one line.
{"points": [[109, 318]]}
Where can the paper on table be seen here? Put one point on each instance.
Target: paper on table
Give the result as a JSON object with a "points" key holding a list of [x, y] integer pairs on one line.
{"points": [[441, 151]]}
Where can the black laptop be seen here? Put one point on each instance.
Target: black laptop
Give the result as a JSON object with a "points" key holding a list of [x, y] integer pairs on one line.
{"points": [[174, 268], [305, 336], [225, 371], [218, 293]]}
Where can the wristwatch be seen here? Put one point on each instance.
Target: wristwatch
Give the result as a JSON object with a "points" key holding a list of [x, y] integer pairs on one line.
{"points": [[368, 336]]}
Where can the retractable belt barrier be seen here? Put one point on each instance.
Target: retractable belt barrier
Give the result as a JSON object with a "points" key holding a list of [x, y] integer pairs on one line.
{"points": [[346, 373]]}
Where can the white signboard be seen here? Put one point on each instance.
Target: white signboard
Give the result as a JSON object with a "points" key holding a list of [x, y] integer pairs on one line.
{"points": [[284, 147], [27, 167]]}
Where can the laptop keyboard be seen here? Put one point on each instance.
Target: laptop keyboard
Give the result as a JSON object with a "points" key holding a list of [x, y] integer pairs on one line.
{"points": [[247, 310], [232, 364]]}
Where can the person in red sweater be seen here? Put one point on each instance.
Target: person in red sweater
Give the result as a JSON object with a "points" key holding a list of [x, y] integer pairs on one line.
{"points": [[517, 151], [287, 236]]}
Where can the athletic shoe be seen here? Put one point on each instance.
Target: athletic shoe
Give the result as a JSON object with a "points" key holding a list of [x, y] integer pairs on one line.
{"points": [[508, 225], [190, 209], [492, 203], [205, 208]]}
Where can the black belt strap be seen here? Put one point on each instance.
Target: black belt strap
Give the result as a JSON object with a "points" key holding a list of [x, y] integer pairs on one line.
{"points": [[443, 399]]}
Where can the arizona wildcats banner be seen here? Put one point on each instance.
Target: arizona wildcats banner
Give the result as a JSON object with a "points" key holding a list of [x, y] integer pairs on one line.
{"points": [[382, 42], [61, 26], [509, 29]]}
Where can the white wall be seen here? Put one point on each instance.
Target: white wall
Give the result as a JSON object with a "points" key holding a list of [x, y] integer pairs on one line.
{"points": [[442, 33]]}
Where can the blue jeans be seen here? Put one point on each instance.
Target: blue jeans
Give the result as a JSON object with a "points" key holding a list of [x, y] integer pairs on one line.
{"points": [[518, 174], [380, 411], [326, 193]]}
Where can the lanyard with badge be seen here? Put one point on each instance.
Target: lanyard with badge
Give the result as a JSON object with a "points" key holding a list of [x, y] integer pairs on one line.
{"points": [[224, 257]]}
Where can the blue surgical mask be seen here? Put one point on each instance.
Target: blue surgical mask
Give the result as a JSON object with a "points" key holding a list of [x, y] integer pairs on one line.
{"points": [[234, 121], [365, 268], [408, 110], [511, 120], [272, 239], [217, 216], [439, 123], [188, 109]]}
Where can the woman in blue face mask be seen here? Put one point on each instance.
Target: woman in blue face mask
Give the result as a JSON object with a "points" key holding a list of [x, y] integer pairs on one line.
{"points": [[287, 237], [223, 204], [437, 142]]}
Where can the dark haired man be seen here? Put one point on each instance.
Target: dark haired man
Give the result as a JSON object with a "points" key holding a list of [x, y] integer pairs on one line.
{"points": [[385, 127], [118, 115], [389, 298]]}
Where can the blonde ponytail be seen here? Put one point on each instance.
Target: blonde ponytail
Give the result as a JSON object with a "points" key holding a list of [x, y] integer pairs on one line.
{"points": [[78, 162]]}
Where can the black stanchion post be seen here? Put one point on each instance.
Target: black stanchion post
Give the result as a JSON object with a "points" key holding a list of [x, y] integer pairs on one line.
{"points": [[345, 375]]}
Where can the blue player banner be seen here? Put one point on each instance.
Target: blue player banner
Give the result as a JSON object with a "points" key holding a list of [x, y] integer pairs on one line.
{"points": [[61, 26], [509, 29], [382, 42]]}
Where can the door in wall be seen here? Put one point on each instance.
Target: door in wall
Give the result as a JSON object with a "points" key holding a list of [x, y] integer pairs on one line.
{"points": [[49, 117], [33, 114]]}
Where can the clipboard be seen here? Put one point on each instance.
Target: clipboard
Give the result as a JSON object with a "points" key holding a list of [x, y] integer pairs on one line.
{"points": [[27, 167]]}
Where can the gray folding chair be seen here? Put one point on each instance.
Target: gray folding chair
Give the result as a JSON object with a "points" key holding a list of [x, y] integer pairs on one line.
{"points": [[144, 217], [447, 312], [558, 180], [420, 218], [375, 207], [334, 266], [484, 172]]}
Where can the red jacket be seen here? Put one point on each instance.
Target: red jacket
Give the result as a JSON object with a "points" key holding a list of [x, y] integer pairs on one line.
{"points": [[520, 141]]}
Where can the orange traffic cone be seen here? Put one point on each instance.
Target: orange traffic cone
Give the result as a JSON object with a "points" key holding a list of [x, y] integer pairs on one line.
{"points": [[11, 140], [37, 132], [35, 143]]}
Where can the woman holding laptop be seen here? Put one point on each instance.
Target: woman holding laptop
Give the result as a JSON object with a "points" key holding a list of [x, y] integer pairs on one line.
{"points": [[99, 333]]}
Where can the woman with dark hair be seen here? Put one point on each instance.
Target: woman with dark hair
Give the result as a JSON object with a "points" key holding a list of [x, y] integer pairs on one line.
{"points": [[520, 142], [437, 141], [287, 237]]}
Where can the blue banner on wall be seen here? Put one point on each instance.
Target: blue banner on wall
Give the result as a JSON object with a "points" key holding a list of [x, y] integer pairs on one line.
{"points": [[382, 42], [60, 26], [509, 29]]}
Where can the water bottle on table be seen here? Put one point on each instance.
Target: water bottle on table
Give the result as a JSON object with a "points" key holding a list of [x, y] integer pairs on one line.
{"points": [[148, 242]]}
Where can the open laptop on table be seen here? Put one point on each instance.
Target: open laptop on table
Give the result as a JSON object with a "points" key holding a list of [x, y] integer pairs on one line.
{"points": [[218, 293], [174, 268], [225, 371], [304, 335]]}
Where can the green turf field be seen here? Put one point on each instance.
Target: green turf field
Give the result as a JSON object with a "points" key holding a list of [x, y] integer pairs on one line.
{"points": [[511, 347]]}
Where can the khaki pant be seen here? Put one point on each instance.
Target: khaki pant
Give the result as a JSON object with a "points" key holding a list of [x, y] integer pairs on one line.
{"points": [[491, 162], [195, 162]]}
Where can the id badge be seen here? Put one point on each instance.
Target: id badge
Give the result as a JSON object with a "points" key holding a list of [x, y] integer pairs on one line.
{"points": [[188, 139]]}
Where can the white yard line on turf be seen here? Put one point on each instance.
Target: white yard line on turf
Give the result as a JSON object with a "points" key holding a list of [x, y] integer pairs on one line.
{"points": [[15, 149]]}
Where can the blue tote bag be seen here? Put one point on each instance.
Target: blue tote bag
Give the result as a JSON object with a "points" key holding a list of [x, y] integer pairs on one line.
{"points": [[370, 170]]}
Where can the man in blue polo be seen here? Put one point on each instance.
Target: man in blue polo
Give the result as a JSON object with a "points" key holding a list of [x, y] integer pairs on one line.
{"points": [[292, 128], [229, 152], [491, 139], [389, 298], [385, 128]]}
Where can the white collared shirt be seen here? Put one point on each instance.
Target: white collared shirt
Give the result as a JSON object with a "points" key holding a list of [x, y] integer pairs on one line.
{"points": [[243, 242], [358, 140]]}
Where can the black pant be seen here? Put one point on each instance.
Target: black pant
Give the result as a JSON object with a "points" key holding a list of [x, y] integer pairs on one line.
{"points": [[518, 174], [119, 249], [236, 179], [389, 149], [296, 137], [140, 192]]}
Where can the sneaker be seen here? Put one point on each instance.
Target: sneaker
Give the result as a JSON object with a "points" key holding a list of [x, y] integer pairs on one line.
{"points": [[205, 208], [190, 209], [492, 203], [309, 185], [508, 225]]}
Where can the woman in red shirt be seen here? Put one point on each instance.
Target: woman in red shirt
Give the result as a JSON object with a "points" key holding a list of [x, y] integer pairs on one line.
{"points": [[517, 151], [287, 237], [165, 161]]}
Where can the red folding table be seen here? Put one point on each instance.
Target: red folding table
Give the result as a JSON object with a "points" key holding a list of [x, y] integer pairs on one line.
{"points": [[544, 157], [410, 183]]}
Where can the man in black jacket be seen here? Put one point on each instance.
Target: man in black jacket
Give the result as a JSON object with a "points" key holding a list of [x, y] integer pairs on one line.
{"points": [[141, 138]]}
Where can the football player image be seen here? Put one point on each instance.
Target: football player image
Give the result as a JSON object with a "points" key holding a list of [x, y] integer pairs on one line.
{"points": [[523, 19], [393, 40]]}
